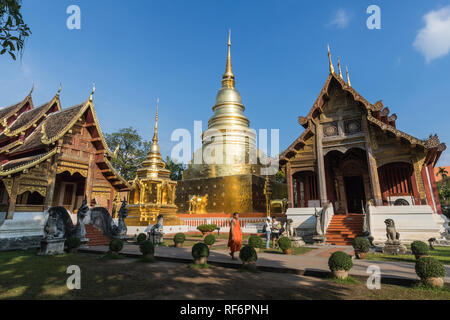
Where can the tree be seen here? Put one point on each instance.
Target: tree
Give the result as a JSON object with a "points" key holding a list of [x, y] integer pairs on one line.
{"points": [[280, 177], [442, 172], [176, 169], [133, 150], [13, 29]]}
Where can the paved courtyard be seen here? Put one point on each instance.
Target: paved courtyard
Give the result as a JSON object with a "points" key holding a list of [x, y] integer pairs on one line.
{"points": [[312, 263]]}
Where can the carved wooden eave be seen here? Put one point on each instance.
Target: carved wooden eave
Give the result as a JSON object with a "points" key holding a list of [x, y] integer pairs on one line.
{"points": [[116, 177], [291, 151], [28, 165], [11, 146]]}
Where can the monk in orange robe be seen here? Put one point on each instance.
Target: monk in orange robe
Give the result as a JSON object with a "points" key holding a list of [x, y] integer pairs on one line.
{"points": [[235, 238]]}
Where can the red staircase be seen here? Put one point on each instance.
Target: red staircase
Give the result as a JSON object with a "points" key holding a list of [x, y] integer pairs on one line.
{"points": [[343, 228], [95, 236]]}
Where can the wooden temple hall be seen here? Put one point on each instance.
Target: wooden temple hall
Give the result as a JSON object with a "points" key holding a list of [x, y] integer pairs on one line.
{"points": [[53, 157], [351, 152]]}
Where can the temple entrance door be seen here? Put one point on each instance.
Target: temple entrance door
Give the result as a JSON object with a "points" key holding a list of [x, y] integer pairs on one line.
{"points": [[354, 191]]}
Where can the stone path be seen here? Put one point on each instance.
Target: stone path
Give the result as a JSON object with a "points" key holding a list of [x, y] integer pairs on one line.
{"points": [[313, 263]]}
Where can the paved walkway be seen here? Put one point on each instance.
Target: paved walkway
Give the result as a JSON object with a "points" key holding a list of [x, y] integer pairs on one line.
{"points": [[313, 263]]}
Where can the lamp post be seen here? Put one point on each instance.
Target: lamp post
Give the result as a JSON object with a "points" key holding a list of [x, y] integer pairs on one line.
{"points": [[268, 194]]}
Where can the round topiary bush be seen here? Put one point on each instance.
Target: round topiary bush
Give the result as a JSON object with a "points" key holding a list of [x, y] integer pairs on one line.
{"points": [[73, 243], [179, 238], [209, 239], [248, 254], [147, 248], [419, 249], [430, 270], [285, 244], [361, 246], [255, 242], [200, 253], [204, 228], [115, 245], [340, 263], [141, 237]]}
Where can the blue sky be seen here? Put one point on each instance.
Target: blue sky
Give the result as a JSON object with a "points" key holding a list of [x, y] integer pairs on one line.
{"points": [[136, 51]]}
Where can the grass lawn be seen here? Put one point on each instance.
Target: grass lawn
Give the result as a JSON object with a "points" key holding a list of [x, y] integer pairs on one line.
{"points": [[440, 253], [24, 275]]}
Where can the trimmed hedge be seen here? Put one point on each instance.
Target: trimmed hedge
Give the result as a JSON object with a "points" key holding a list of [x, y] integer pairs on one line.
{"points": [[419, 248], [361, 244], [255, 242], [209, 239], [207, 227], [73, 242], [147, 247], [179, 237], [115, 245], [248, 254], [428, 267], [141, 237], [200, 250], [340, 261], [284, 243]]}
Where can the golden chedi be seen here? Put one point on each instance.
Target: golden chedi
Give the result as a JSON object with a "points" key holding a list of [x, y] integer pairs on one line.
{"points": [[226, 168], [152, 191]]}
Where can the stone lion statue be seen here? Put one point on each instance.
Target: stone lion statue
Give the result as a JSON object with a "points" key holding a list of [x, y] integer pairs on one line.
{"points": [[391, 233]]}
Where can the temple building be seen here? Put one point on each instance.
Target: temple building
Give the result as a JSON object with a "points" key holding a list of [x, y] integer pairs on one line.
{"points": [[226, 170], [51, 157], [352, 155], [152, 191]]}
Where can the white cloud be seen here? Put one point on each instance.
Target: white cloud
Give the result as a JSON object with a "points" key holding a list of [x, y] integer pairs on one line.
{"points": [[340, 19], [433, 40]]}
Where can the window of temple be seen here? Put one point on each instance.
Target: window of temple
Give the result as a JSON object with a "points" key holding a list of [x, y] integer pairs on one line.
{"points": [[395, 182], [30, 198]]}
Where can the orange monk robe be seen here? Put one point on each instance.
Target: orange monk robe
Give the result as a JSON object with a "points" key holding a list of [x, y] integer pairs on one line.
{"points": [[235, 244]]}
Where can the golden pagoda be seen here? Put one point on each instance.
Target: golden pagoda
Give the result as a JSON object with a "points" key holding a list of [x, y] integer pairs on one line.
{"points": [[226, 169], [152, 191]]}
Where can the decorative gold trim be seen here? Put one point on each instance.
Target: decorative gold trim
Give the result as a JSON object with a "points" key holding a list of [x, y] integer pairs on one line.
{"points": [[26, 166]]}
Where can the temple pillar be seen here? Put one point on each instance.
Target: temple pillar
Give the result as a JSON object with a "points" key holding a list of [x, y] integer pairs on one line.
{"points": [[321, 165], [52, 169], [90, 179], [13, 198], [290, 185], [372, 166]]}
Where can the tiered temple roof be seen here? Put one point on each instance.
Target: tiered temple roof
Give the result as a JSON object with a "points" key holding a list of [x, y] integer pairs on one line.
{"points": [[377, 114], [29, 135]]}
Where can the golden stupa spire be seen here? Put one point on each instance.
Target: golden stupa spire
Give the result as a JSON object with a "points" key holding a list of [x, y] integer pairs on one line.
{"points": [[330, 61], [155, 135], [228, 77], [348, 77], [340, 71]]}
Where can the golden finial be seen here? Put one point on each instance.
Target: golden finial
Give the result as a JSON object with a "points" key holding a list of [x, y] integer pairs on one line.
{"points": [[228, 77], [59, 89], [339, 67], [155, 135], [348, 77], [43, 133], [330, 62], [92, 93], [31, 91], [116, 151]]}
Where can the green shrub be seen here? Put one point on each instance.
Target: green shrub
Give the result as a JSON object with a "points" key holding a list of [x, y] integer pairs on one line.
{"points": [[255, 242], [340, 261], [428, 267], [73, 242], [200, 250], [209, 239], [419, 248], [147, 247], [361, 244], [115, 245], [284, 243], [248, 254], [141, 237], [179, 238], [207, 227]]}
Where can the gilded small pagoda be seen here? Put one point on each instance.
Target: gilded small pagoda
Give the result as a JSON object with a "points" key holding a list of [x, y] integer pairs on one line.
{"points": [[152, 191]]}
